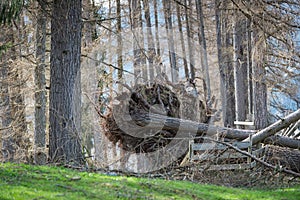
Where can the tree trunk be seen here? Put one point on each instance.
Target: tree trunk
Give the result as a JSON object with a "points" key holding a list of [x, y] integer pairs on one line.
{"points": [[259, 80], [40, 93], [240, 67], [188, 16], [220, 59], [169, 29], [8, 148], [120, 44], [225, 65], [203, 51], [65, 90], [185, 63], [150, 41], [157, 40], [139, 63]]}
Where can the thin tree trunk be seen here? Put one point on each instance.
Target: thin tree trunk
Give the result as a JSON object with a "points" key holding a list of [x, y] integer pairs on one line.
{"points": [[120, 44], [151, 46], [185, 63], [169, 29], [140, 68], [249, 70], [40, 93], [188, 15], [87, 28], [203, 50], [158, 56], [220, 60], [65, 90]]}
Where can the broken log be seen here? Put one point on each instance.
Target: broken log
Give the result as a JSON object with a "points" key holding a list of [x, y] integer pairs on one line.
{"points": [[275, 127]]}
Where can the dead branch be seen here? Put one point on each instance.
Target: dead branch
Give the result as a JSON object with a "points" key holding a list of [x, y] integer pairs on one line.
{"points": [[255, 158]]}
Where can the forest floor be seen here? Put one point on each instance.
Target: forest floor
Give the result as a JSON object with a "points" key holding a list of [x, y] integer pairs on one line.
{"points": [[46, 182]]}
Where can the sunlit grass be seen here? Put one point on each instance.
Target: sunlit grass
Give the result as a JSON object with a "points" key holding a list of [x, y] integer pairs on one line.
{"points": [[44, 182]]}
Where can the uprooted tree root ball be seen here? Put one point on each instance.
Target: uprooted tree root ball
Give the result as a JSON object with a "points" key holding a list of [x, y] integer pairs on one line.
{"points": [[137, 104]]}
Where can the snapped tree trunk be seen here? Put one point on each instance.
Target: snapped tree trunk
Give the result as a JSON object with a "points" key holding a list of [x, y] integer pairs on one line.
{"points": [[274, 128]]}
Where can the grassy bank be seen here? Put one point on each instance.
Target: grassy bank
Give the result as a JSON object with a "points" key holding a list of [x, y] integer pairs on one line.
{"points": [[44, 182]]}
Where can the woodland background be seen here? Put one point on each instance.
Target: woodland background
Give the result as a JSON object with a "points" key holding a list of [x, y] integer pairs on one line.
{"points": [[240, 58]]}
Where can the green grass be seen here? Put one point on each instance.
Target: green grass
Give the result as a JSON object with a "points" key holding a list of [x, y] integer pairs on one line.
{"points": [[44, 182]]}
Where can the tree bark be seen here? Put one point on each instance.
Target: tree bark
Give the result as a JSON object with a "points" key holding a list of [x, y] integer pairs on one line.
{"points": [[65, 90], [259, 80], [240, 68], [40, 93], [7, 148], [225, 65]]}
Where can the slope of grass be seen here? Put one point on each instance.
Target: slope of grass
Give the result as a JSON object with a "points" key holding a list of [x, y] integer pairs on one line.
{"points": [[44, 182]]}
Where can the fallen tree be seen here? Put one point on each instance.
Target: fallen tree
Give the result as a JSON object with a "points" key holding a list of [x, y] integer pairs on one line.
{"points": [[149, 117], [170, 123]]}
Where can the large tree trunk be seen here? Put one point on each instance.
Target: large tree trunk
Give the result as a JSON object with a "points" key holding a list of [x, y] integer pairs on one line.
{"points": [[65, 91], [154, 121]]}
